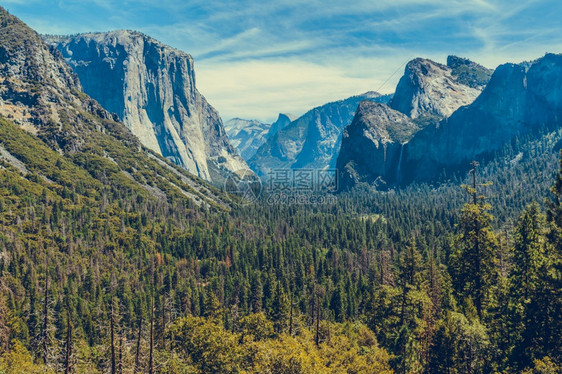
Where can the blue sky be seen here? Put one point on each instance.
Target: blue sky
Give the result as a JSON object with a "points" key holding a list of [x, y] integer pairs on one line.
{"points": [[255, 59]]}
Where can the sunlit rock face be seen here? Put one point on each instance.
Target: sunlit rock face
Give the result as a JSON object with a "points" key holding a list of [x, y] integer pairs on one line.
{"points": [[428, 88], [151, 87], [427, 93], [520, 99]]}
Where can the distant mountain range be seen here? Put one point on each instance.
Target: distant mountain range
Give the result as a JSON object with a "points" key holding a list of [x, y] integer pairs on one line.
{"points": [[67, 90], [311, 141], [248, 135], [151, 87]]}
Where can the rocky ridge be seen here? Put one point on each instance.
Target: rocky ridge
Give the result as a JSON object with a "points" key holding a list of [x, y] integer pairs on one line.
{"points": [[428, 88], [518, 100]]}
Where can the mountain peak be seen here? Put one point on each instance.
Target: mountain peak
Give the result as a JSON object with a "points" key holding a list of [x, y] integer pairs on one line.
{"points": [[469, 72], [428, 88], [371, 94]]}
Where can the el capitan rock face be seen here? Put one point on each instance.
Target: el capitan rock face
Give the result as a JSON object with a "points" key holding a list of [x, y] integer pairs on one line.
{"points": [[151, 87], [40, 94]]}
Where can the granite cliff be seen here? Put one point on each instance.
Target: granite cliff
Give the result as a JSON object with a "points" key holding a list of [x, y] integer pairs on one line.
{"points": [[518, 100], [427, 93], [52, 130], [428, 88], [151, 87], [373, 144]]}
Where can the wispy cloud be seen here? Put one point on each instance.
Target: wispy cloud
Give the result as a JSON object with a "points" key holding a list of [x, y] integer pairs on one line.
{"points": [[261, 89], [255, 58]]}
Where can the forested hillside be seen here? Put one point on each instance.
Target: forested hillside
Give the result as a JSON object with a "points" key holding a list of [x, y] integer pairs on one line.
{"points": [[111, 279]]}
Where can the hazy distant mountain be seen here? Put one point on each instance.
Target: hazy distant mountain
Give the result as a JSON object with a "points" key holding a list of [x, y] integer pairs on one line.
{"points": [[312, 140], [152, 88], [248, 135], [283, 120]]}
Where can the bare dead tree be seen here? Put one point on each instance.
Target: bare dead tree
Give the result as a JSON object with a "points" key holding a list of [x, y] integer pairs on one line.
{"points": [[45, 329], [137, 353], [112, 333], [150, 356], [67, 363]]}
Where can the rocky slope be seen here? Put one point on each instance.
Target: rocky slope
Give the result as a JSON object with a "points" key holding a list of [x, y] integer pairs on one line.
{"points": [[53, 131], [248, 135], [380, 134], [428, 88], [312, 140], [519, 100], [151, 87]]}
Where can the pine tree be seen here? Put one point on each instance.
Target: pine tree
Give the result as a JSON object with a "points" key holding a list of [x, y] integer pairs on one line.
{"points": [[554, 210], [280, 309], [473, 260], [212, 306], [337, 304], [543, 331], [256, 295], [528, 253]]}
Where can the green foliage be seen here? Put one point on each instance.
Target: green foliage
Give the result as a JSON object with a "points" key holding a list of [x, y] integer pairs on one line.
{"points": [[19, 360], [543, 366], [238, 291], [256, 327], [210, 347], [459, 346], [473, 262]]}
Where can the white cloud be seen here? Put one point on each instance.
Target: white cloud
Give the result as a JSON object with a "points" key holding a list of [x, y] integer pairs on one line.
{"points": [[261, 89], [257, 58]]}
